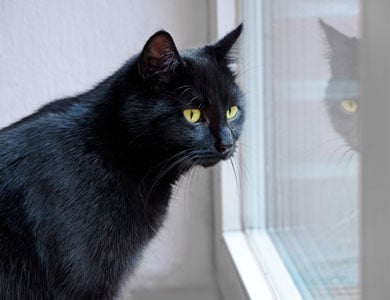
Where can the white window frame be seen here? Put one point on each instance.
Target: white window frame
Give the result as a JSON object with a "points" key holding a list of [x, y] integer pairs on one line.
{"points": [[241, 276]]}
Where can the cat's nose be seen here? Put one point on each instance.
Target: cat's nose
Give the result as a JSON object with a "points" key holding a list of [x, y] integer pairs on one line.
{"points": [[224, 141], [223, 148]]}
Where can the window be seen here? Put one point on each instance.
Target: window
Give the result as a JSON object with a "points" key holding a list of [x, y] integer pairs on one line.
{"points": [[311, 214], [309, 118]]}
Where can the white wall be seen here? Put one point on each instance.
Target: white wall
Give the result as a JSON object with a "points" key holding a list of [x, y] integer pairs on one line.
{"points": [[51, 49]]}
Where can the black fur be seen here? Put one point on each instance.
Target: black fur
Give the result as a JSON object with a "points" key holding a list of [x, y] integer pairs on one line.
{"points": [[85, 181]]}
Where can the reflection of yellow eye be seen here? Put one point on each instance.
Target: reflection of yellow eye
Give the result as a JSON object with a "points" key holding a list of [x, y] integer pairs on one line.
{"points": [[232, 112], [192, 115], [349, 106]]}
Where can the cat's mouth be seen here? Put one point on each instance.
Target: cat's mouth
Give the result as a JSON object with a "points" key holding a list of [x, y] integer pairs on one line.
{"points": [[211, 159], [209, 162]]}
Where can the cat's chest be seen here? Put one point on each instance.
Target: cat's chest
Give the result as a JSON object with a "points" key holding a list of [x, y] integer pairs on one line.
{"points": [[122, 229], [133, 210]]}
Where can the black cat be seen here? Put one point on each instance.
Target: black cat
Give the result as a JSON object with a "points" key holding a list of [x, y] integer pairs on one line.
{"points": [[85, 181], [341, 96]]}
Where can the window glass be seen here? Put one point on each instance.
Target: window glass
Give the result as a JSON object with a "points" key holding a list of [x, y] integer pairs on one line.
{"points": [[311, 109]]}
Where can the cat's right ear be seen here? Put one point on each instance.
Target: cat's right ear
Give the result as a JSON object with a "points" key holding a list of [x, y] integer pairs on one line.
{"points": [[223, 50], [159, 57]]}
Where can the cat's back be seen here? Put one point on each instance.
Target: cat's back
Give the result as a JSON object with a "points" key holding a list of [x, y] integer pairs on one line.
{"points": [[42, 134], [20, 274], [37, 156], [43, 151]]}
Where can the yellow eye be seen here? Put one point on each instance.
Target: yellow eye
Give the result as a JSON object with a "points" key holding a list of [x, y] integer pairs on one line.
{"points": [[192, 115], [232, 112], [349, 106]]}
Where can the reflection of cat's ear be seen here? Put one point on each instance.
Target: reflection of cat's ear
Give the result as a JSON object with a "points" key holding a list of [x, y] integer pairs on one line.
{"points": [[223, 49], [159, 58], [335, 38], [342, 51]]}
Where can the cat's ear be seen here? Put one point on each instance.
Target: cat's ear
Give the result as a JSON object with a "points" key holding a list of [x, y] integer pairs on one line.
{"points": [[159, 57], [342, 51], [337, 41], [223, 50]]}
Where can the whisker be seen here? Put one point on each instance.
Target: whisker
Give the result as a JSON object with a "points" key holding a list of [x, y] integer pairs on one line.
{"points": [[165, 171], [195, 97], [187, 187], [163, 163], [184, 92], [352, 155], [131, 142], [328, 142], [336, 150], [235, 174], [347, 151], [183, 87]]}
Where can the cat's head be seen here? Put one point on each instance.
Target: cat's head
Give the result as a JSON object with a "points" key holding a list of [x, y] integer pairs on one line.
{"points": [[341, 97], [186, 103]]}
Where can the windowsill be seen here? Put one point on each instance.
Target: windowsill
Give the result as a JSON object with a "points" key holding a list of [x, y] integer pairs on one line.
{"points": [[254, 280], [273, 265], [260, 280]]}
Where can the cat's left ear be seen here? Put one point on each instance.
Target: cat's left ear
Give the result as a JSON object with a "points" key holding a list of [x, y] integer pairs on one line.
{"points": [[223, 49], [159, 57]]}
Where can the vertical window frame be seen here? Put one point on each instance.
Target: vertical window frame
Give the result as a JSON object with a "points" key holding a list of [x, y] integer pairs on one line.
{"points": [[240, 274], [375, 160], [254, 182]]}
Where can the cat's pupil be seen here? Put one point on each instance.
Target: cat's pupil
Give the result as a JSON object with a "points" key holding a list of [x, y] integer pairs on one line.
{"points": [[349, 105], [192, 113]]}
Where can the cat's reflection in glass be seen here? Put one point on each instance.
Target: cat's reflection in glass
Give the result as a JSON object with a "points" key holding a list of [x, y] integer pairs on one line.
{"points": [[341, 95]]}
